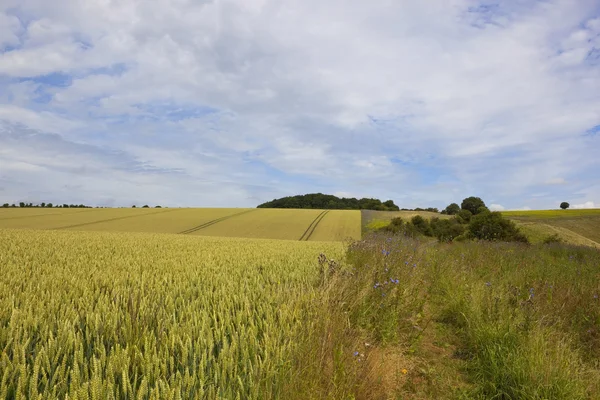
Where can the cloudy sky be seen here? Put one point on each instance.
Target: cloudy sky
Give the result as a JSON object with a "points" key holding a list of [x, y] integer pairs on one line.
{"points": [[236, 102]]}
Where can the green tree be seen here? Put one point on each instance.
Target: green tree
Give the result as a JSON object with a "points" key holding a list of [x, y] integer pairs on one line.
{"points": [[5, 205], [21, 204], [472, 204], [49, 205], [564, 205], [452, 209], [43, 205], [146, 206]]}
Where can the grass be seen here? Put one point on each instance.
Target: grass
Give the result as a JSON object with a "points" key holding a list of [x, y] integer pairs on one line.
{"points": [[457, 321], [544, 214], [580, 227]]}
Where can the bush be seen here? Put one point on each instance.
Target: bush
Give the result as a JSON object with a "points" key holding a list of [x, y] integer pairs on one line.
{"points": [[421, 225], [396, 225], [446, 230], [553, 239], [564, 205], [464, 216], [493, 226]]}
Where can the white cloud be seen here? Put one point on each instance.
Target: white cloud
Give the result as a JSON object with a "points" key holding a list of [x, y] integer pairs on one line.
{"points": [[496, 207], [556, 181], [428, 102], [587, 204]]}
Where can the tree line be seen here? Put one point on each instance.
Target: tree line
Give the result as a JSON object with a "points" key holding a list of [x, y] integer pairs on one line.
{"points": [[44, 205], [330, 202]]}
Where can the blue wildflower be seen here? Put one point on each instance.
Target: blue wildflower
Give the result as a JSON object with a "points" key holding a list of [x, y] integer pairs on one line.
{"points": [[488, 284], [356, 353]]}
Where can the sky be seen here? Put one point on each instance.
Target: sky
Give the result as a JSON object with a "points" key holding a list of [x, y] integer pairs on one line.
{"points": [[230, 103]]}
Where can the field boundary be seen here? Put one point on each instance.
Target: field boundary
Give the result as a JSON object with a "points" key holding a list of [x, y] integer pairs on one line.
{"points": [[212, 222], [313, 226], [114, 219]]}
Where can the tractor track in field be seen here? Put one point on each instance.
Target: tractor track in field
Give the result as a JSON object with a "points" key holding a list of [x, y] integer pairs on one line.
{"points": [[214, 221], [41, 215], [114, 219], [313, 225]]}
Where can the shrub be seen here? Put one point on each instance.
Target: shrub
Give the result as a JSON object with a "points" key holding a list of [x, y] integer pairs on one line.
{"points": [[446, 230], [553, 239], [464, 216], [493, 226], [564, 205], [421, 225]]}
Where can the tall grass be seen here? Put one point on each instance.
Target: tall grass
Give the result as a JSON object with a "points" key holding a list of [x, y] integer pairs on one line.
{"points": [[524, 322]]}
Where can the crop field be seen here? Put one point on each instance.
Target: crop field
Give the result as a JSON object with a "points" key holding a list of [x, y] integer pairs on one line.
{"points": [[176, 220], [102, 315], [289, 224], [573, 226], [337, 225]]}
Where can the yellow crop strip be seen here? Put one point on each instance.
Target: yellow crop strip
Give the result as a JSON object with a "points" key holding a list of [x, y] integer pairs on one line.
{"points": [[173, 220], [131, 315], [72, 218], [338, 225], [264, 223]]}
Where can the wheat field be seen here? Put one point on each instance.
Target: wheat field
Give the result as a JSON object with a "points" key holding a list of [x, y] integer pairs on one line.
{"points": [[97, 315]]}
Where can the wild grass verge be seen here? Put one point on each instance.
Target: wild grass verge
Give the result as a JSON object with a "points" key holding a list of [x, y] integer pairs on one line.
{"points": [[411, 319]]}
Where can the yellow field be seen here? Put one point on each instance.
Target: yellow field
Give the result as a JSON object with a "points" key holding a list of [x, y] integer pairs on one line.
{"points": [[264, 223], [338, 225], [175, 221], [289, 224], [133, 315], [581, 227], [70, 218], [544, 214]]}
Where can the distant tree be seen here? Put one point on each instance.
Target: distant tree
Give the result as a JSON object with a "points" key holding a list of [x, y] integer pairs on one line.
{"points": [[49, 205], [146, 206], [43, 205], [472, 204], [13, 205], [5, 205], [133, 206], [158, 207], [564, 205], [65, 206], [21, 204], [452, 209]]}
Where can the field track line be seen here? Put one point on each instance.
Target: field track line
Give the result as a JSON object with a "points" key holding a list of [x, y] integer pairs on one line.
{"points": [[115, 219], [214, 221], [313, 225], [41, 215]]}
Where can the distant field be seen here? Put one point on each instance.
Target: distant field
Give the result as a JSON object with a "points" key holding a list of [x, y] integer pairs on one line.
{"points": [[553, 213], [289, 224], [372, 220], [573, 226]]}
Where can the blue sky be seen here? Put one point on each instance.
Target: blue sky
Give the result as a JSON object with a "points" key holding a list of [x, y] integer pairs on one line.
{"points": [[233, 103]]}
